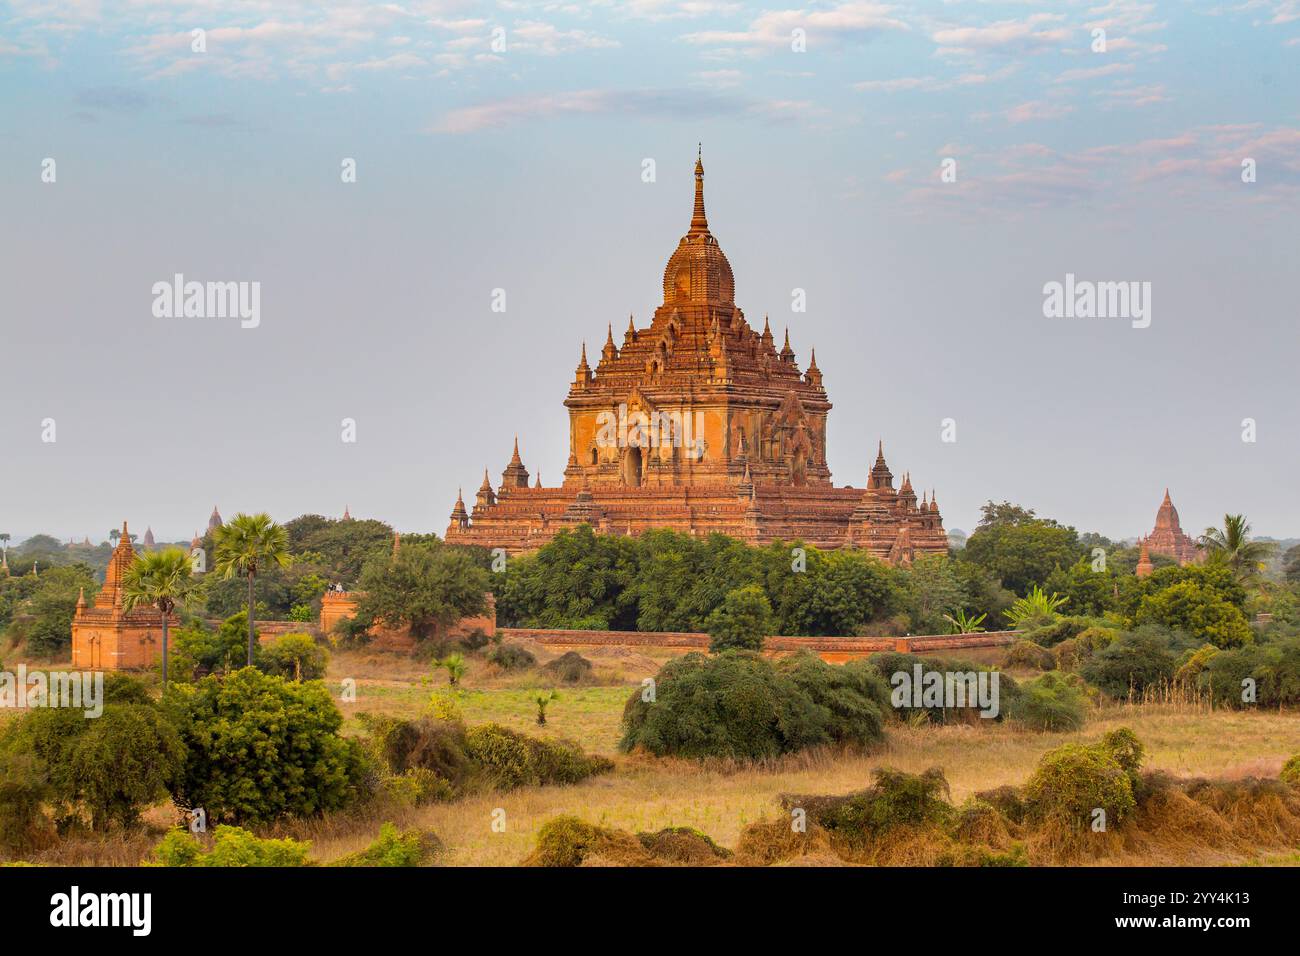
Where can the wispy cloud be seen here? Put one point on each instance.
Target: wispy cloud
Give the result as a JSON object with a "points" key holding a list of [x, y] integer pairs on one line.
{"points": [[678, 103]]}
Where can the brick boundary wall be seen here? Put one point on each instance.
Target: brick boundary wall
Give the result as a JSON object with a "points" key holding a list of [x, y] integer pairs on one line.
{"points": [[835, 649]]}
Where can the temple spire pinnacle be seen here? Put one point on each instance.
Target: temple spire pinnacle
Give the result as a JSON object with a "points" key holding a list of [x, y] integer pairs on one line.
{"points": [[699, 221]]}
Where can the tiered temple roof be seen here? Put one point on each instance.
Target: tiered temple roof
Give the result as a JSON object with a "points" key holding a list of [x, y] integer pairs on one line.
{"points": [[697, 422], [1167, 537]]}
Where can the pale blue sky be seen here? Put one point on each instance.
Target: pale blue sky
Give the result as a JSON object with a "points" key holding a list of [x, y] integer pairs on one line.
{"points": [[521, 169]]}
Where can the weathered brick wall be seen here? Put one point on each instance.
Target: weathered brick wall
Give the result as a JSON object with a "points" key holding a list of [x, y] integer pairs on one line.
{"points": [[833, 649]]}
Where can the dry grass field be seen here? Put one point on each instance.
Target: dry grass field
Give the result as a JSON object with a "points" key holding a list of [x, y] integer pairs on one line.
{"points": [[646, 793]]}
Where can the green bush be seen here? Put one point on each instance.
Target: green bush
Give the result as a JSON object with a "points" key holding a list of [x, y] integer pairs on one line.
{"points": [[261, 748], [427, 743], [1123, 745], [411, 848], [1274, 669], [1048, 703], [418, 786], [231, 846], [511, 657], [1074, 780], [1030, 655], [891, 663], [740, 705], [569, 668], [510, 759], [294, 656], [895, 799], [1141, 659], [567, 841]]}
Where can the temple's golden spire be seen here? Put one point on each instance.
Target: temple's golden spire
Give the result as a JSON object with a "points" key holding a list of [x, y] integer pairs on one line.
{"points": [[699, 222]]}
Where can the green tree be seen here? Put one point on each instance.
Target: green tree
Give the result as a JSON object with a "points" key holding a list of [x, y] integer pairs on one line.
{"points": [[578, 579], [42, 607], [424, 587], [1019, 549], [295, 656], [1232, 545], [1199, 611], [742, 622], [245, 544], [932, 592], [162, 580]]}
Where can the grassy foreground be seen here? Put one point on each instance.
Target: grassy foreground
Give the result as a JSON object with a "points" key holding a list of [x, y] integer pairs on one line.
{"points": [[646, 794]]}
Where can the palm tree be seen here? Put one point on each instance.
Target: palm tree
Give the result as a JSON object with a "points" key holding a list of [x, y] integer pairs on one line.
{"points": [[113, 536], [1035, 609], [244, 545], [1232, 545], [455, 665], [163, 580], [964, 623]]}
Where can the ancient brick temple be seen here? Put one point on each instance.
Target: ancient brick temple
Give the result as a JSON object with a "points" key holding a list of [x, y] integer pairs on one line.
{"points": [[1167, 537], [699, 423], [107, 637]]}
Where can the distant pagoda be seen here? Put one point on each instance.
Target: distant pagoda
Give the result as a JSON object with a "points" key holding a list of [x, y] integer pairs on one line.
{"points": [[1167, 537]]}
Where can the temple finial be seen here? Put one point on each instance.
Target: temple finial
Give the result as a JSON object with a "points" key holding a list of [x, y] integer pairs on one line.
{"points": [[699, 222]]}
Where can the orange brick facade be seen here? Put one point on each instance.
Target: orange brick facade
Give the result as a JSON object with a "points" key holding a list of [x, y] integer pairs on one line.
{"points": [[699, 423], [337, 606], [107, 637]]}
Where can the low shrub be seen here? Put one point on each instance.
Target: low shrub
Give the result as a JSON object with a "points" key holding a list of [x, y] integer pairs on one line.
{"points": [[427, 743], [510, 759], [683, 845], [904, 672], [1137, 660], [411, 848], [572, 841], [1007, 800], [569, 668], [739, 705], [511, 657], [231, 846], [1048, 703], [1073, 781], [418, 786], [895, 799], [1030, 655]]}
